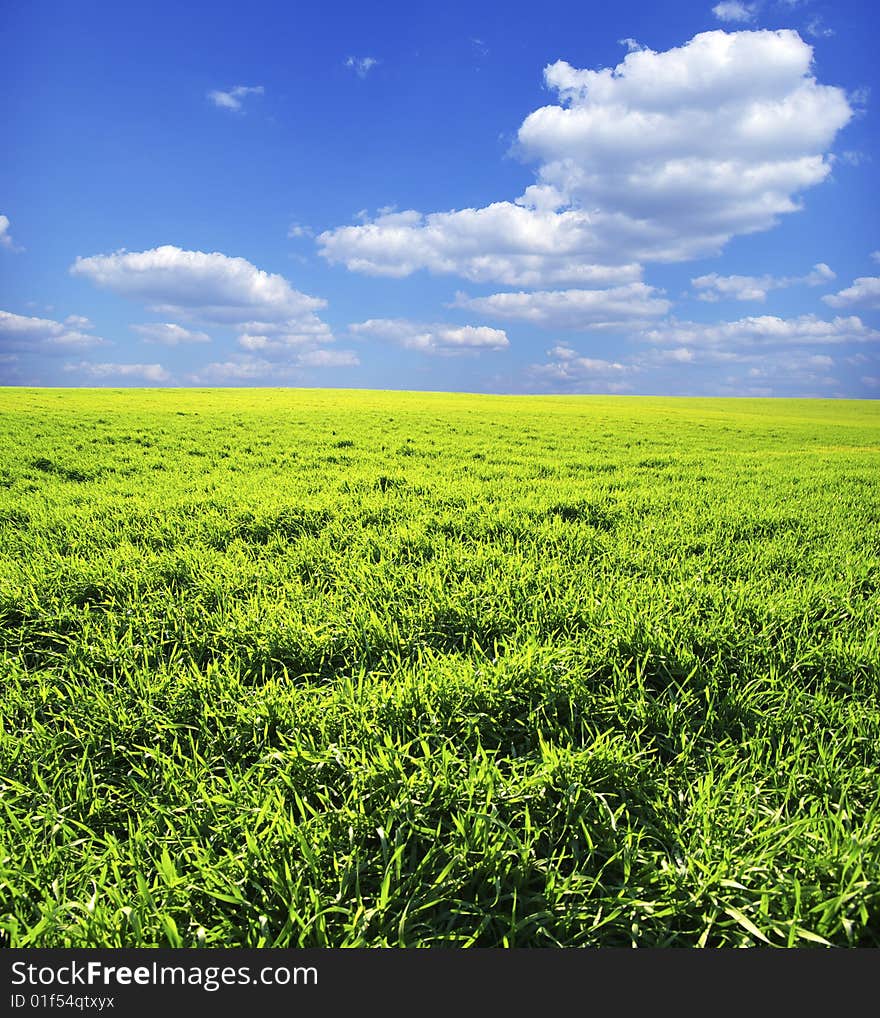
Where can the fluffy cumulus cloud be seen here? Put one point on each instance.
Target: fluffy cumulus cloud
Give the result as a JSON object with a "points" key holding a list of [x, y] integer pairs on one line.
{"points": [[233, 99], [761, 331], [212, 288], [615, 308], [714, 287], [5, 236], [169, 334], [103, 372], [44, 335], [514, 244], [664, 157], [864, 292], [433, 339], [275, 323], [682, 150], [270, 338]]}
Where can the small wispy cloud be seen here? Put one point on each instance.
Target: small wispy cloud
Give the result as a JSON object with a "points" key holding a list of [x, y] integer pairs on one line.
{"points": [[328, 359], [858, 98], [619, 307], [567, 369], [854, 157], [6, 237], [298, 230], [169, 334], [246, 368], [436, 338], [818, 29], [147, 372], [714, 287], [78, 322], [233, 98], [734, 10], [361, 65]]}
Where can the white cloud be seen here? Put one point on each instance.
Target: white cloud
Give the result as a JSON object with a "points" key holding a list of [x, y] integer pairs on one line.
{"points": [[44, 335], [147, 372], [432, 338], [820, 361], [573, 309], [169, 334], [77, 322], [820, 273], [213, 287], [209, 288], [248, 368], [296, 230], [818, 29], [665, 157], [876, 256], [515, 244], [762, 331], [6, 237], [272, 339], [858, 98], [714, 287], [244, 369], [733, 10], [713, 139], [328, 359], [708, 369], [567, 370], [854, 157], [676, 355], [864, 292], [807, 374], [283, 345], [724, 358], [233, 98], [361, 65]]}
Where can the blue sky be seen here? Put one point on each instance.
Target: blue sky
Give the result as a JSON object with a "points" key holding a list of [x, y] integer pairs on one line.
{"points": [[673, 199]]}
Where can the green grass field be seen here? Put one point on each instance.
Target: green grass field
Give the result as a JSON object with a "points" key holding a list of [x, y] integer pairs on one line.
{"points": [[346, 668]]}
